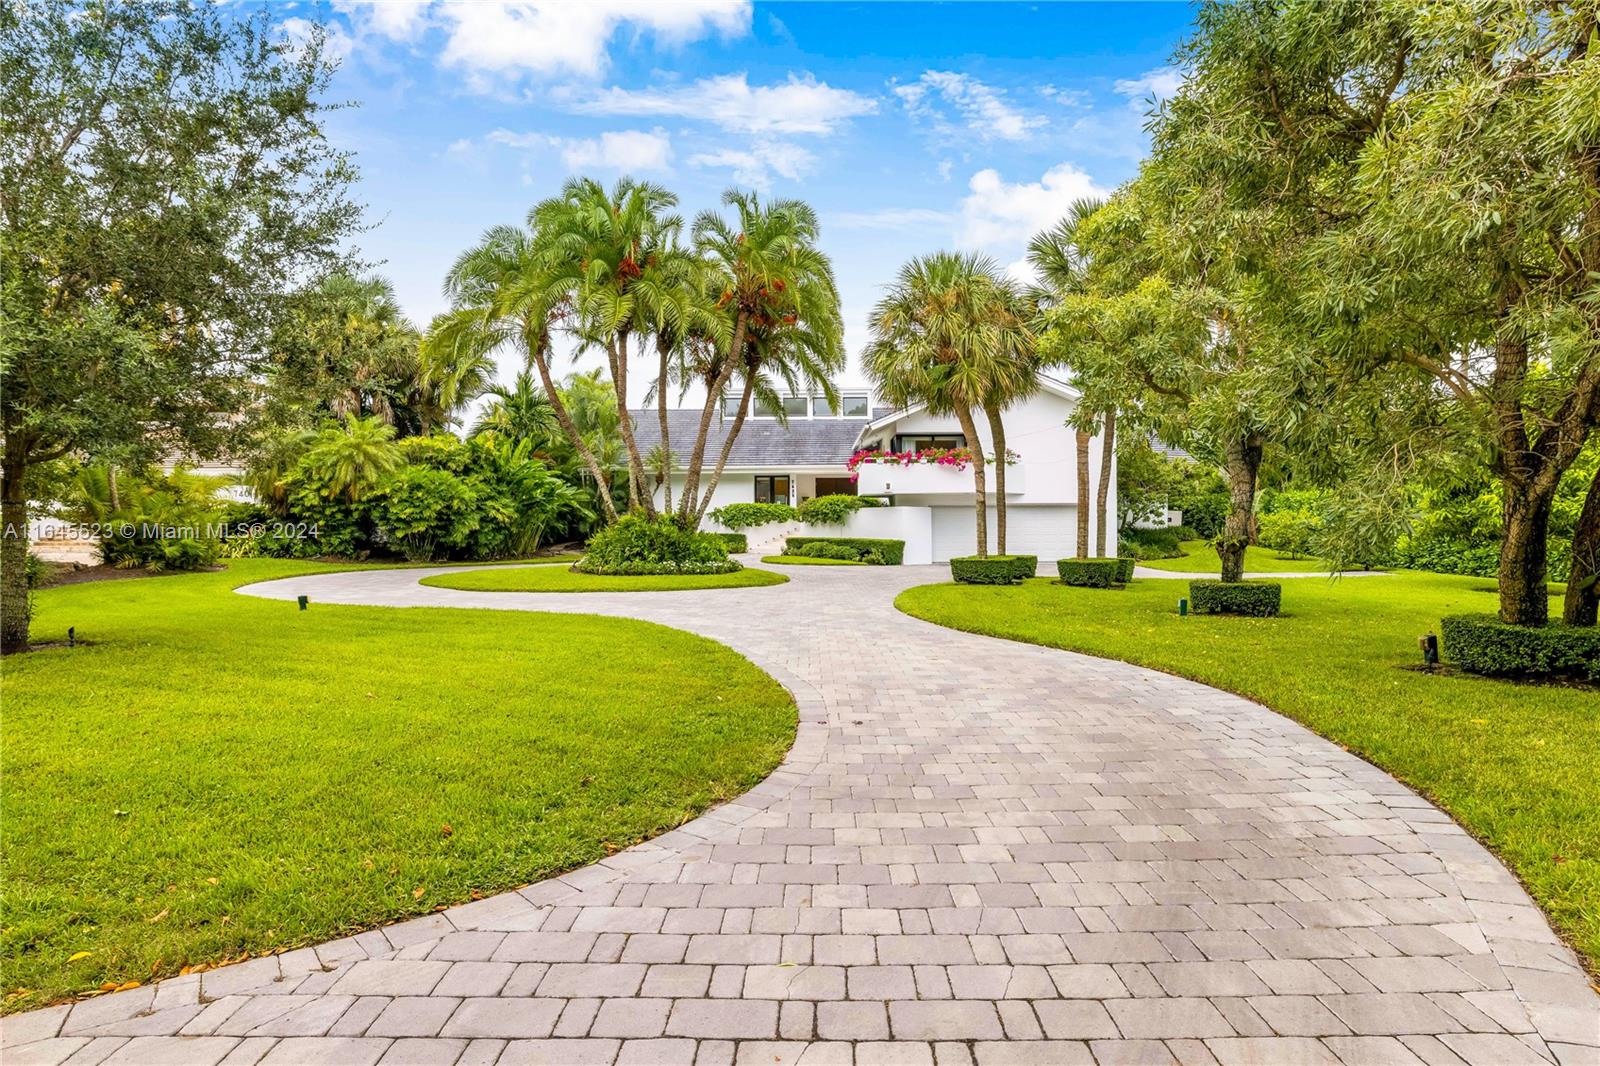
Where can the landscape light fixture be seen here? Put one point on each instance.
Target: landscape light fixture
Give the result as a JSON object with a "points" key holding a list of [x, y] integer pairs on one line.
{"points": [[1183, 607], [302, 601], [1429, 643]]}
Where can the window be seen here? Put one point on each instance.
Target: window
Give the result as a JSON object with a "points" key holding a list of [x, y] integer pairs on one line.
{"points": [[730, 406], [772, 488], [793, 407], [851, 405], [917, 442]]}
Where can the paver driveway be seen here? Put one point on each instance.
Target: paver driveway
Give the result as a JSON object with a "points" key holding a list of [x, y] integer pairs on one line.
{"points": [[977, 850]]}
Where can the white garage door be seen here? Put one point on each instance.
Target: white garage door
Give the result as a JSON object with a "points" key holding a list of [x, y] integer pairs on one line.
{"points": [[1048, 532]]}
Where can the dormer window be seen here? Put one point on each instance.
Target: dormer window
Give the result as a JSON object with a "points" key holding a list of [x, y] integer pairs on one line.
{"points": [[851, 405], [793, 407]]}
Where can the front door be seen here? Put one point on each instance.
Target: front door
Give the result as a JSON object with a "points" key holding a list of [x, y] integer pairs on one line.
{"points": [[772, 488]]}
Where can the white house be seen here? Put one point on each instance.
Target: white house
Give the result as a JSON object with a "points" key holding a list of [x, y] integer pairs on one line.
{"points": [[931, 506]]}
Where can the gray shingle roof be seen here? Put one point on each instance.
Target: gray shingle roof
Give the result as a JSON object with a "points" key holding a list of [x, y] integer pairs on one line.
{"points": [[761, 441]]}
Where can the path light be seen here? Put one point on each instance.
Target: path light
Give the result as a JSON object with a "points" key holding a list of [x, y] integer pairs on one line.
{"points": [[72, 636], [1183, 607], [1429, 643], [302, 601]]}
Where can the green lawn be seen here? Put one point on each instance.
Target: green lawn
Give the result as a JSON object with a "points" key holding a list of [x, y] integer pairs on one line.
{"points": [[807, 560], [215, 774], [1515, 764], [562, 579], [1201, 558]]}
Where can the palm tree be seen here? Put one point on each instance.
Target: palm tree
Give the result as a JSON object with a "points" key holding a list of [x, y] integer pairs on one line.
{"points": [[939, 337], [519, 412], [350, 459], [780, 317], [362, 348], [504, 293], [1013, 378]]}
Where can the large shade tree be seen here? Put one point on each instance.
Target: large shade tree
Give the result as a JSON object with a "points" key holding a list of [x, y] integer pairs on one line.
{"points": [[165, 184]]}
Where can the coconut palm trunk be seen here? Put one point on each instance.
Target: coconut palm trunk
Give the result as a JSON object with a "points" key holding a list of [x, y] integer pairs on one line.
{"points": [[980, 495], [727, 450], [1082, 439], [664, 351], [997, 433], [539, 356], [639, 496], [689, 499], [1108, 453]]}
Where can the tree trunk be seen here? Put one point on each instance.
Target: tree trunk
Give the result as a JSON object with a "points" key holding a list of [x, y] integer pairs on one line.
{"points": [[664, 350], [997, 432], [1524, 597], [16, 605], [539, 356], [639, 496], [727, 450], [1081, 440], [1242, 461], [1583, 584], [690, 497], [980, 495], [1108, 452]]}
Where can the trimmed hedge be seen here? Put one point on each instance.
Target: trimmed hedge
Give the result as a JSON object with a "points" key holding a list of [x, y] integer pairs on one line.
{"points": [[892, 552], [734, 542], [993, 569], [1089, 573], [1259, 599], [640, 568], [1482, 644], [1125, 564]]}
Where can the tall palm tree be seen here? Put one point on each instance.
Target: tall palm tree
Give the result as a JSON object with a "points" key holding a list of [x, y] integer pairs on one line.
{"points": [[1013, 378], [518, 413], [355, 348], [609, 251], [780, 318], [942, 336], [504, 293]]}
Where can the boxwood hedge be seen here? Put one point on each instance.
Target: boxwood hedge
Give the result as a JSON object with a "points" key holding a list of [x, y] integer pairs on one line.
{"points": [[1482, 644], [993, 569], [892, 552], [1089, 573], [1259, 599], [734, 542]]}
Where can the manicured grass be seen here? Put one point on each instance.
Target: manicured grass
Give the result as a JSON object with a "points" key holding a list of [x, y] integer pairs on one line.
{"points": [[563, 579], [806, 560], [1201, 558], [216, 774], [1515, 764]]}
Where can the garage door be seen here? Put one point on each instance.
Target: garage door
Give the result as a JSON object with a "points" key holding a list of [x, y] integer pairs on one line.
{"points": [[1048, 532]]}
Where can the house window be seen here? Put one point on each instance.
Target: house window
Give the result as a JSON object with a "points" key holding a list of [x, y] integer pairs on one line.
{"points": [[851, 405], [793, 407], [730, 406], [772, 488], [918, 442]]}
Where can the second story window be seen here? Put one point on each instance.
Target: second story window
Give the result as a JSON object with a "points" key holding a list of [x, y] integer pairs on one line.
{"points": [[730, 406], [793, 406], [851, 405]]}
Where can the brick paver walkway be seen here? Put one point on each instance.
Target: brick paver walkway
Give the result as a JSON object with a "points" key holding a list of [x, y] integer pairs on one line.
{"points": [[976, 851]]}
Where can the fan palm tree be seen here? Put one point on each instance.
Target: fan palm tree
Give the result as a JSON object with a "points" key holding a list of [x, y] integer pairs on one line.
{"points": [[518, 413], [942, 336], [780, 316], [504, 294], [350, 459]]}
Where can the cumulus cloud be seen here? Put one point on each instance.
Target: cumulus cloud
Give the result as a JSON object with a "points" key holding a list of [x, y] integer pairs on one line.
{"points": [[1158, 84], [978, 108], [299, 33], [627, 151], [511, 38], [397, 20], [1000, 216], [756, 164], [798, 105]]}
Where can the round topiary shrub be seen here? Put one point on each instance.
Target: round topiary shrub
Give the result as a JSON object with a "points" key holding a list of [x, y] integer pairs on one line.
{"points": [[993, 569], [634, 545], [1088, 573], [1258, 599], [1482, 644]]}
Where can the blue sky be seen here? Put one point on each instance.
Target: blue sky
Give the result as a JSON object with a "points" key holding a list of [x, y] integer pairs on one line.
{"points": [[909, 127]]}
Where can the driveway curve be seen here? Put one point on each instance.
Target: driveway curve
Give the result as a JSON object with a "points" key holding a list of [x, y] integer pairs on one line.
{"points": [[977, 851]]}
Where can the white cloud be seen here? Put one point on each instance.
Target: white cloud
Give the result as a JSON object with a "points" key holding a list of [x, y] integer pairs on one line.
{"points": [[1000, 216], [798, 105], [1159, 83], [511, 38], [628, 150], [398, 20], [756, 164], [982, 109], [298, 33]]}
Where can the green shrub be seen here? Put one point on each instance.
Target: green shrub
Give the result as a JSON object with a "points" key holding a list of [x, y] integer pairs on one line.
{"points": [[833, 510], [1125, 565], [1259, 599], [1290, 531], [1089, 573], [635, 545], [890, 552], [422, 510], [822, 549], [746, 515], [734, 542], [1163, 543], [993, 569], [1482, 644]]}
